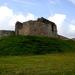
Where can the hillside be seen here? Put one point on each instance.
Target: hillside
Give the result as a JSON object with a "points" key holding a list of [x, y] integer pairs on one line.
{"points": [[31, 45]]}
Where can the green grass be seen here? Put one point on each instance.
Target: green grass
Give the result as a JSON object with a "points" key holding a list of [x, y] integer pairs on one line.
{"points": [[32, 45], [36, 55], [49, 64]]}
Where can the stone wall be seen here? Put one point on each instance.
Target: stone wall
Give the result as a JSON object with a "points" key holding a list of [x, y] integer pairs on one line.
{"points": [[38, 27], [6, 33]]}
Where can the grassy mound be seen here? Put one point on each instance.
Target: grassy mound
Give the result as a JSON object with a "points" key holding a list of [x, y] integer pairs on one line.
{"points": [[28, 45]]}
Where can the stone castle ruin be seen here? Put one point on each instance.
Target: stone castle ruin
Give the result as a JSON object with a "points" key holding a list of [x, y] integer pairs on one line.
{"points": [[39, 27]]}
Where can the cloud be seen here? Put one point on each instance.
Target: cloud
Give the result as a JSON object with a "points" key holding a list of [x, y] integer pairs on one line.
{"points": [[8, 18], [72, 1], [54, 1], [5, 12], [72, 26], [21, 18], [71, 29], [58, 19], [64, 28]]}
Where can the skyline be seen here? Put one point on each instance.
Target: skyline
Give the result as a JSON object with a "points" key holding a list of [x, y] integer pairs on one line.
{"points": [[60, 12]]}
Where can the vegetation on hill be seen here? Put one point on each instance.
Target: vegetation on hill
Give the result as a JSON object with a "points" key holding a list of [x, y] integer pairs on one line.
{"points": [[31, 45]]}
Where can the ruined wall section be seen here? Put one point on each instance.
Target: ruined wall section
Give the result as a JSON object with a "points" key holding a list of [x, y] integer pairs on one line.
{"points": [[6, 33], [53, 31], [22, 28], [43, 29], [18, 27], [38, 28], [26, 29]]}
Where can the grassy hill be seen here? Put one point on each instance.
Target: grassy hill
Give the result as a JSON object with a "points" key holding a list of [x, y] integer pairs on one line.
{"points": [[31, 45], [61, 62]]}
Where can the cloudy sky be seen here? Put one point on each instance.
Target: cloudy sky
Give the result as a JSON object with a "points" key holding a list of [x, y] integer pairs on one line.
{"points": [[62, 12]]}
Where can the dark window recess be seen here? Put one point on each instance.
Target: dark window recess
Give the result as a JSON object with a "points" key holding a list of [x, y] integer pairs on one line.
{"points": [[52, 28]]}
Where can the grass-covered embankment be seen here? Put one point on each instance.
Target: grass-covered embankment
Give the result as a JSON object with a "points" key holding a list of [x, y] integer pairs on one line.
{"points": [[59, 58], [29, 45]]}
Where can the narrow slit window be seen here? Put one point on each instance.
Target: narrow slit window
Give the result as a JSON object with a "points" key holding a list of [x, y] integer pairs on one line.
{"points": [[52, 28]]}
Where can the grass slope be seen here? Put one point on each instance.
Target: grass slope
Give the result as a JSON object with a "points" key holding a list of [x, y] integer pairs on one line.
{"points": [[28, 45]]}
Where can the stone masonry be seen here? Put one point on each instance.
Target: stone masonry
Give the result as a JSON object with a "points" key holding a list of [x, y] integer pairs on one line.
{"points": [[6, 33], [39, 27]]}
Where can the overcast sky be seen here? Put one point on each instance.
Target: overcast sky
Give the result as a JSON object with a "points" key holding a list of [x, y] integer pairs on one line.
{"points": [[62, 12]]}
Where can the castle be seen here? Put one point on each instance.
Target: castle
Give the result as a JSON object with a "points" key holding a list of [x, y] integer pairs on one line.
{"points": [[39, 27]]}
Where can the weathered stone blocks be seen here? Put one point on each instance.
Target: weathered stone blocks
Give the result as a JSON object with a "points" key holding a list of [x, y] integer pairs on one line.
{"points": [[39, 27]]}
